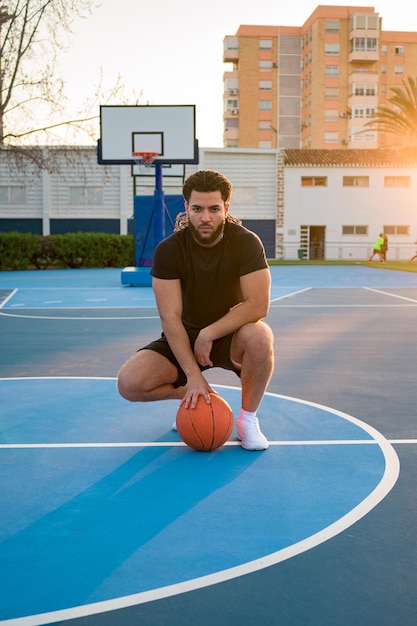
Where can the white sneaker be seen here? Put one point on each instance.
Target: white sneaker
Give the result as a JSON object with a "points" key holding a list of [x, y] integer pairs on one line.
{"points": [[250, 435]]}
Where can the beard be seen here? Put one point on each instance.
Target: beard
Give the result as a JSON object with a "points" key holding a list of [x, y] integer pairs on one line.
{"points": [[207, 240]]}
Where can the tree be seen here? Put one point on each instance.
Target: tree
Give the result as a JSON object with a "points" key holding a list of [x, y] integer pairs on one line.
{"points": [[401, 118], [31, 33]]}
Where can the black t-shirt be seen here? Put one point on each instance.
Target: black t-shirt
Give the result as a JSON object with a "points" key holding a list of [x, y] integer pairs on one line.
{"points": [[209, 276]]}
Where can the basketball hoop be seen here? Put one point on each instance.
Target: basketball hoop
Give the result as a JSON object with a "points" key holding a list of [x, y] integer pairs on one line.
{"points": [[144, 158]]}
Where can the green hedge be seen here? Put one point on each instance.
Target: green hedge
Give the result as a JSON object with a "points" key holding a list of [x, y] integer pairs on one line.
{"points": [[21, 251]]}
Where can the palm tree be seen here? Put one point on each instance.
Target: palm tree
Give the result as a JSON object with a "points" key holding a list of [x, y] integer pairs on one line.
{"points": [[402, 118]]}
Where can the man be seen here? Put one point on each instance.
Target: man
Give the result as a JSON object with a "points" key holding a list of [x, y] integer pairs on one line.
{"points": [[378, 249], [211, 282]]}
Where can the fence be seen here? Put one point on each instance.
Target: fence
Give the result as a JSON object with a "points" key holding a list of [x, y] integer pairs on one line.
{"points": [[338, 251]]}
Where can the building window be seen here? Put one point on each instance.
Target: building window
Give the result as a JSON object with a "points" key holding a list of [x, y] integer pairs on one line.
{"points": [[331, 71], [359, 134], [364, 22], [245, 196], [364, 89], [331, 115], [355, 181], [265, 105], [313, 181], [265, 66], [332, 26], [331, 93], [399, 69], [86, 195], [399, 50], [331, 49], [364, 44], [397, 181], [384, 49], [265, 85], [362, 112], [331, 137], [354, 230], [396, 230], [232, 123], [232, 85], [232, 104], [13, 195], [265, 44], [232, 43]]}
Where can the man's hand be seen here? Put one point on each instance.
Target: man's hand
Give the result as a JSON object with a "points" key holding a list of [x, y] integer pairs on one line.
{"points": [[196, 386], [202, 350]]}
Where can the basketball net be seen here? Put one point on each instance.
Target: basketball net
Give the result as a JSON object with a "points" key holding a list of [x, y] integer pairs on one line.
{"points": [[144, 158]]}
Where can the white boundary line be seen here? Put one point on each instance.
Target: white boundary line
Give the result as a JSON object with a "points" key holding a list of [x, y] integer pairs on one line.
{"points": [[393, 295], [391, 473], [180, 444], [290, 295], [9, 297], [84, 318]]}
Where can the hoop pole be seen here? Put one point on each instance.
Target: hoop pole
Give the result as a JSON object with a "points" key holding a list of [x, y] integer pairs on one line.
{"points": [[159, 206]]}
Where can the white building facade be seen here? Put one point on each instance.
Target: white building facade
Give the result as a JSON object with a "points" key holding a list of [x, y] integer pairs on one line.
{"points": [[312, 204]]}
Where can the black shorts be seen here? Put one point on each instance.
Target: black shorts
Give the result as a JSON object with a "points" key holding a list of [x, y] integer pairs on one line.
{"points": [[220, 354]]}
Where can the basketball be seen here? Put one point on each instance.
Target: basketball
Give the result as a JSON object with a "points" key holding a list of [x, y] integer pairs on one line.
{"points": [[207, 426]]}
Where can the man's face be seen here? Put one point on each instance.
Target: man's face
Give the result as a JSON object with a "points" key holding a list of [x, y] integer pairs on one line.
{"points": [[206, 216]]}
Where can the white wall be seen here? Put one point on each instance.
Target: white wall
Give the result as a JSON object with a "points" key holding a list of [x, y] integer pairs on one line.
{"points": [[375, 206]]}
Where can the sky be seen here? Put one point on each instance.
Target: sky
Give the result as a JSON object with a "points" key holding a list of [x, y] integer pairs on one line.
{"points": [[171, 51]]}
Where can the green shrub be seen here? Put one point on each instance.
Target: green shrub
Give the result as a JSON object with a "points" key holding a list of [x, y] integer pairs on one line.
{"points": [[73, 250], [18, 250]]}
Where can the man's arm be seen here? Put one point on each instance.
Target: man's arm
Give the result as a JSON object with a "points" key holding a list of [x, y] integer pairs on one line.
{"points": [[169, 302], [255, 289]]}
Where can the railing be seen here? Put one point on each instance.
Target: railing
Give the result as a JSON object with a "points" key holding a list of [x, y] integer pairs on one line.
{"points": [[338, 251]]}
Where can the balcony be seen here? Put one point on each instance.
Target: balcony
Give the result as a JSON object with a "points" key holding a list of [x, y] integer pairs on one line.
{"points": [[364, 46], [364, 56], [230, 49]]}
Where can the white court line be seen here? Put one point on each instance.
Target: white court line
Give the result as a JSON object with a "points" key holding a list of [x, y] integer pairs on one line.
{"points": [[393, 295], [344, 306], [9, 297], [289, 295], [180, 444], [83, 318]]}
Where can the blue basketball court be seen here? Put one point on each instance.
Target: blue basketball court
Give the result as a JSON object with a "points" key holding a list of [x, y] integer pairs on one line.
{"points": [[107, 518]]}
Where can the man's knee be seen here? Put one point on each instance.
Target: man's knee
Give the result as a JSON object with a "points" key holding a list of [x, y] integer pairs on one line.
{"points": [[260, 334], [141, 375], [254, 338], [127, 386]]}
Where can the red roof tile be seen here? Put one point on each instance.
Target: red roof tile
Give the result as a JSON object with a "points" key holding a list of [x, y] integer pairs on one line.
{"points": [[379, 157]]}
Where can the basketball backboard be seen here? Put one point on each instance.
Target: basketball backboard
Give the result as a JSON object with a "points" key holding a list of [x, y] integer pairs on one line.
{"points": [[168, 130]]}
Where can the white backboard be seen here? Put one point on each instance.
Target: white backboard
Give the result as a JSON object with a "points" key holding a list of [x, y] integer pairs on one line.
{"points": [[166, 129]]}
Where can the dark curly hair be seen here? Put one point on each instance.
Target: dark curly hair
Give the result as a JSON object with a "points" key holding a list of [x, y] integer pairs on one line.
{"points": [[205, 181]]}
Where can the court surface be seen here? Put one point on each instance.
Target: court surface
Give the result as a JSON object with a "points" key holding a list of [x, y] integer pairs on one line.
{"points": [[107, 518]]}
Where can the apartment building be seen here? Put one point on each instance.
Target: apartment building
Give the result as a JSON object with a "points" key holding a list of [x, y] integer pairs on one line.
{"points": [[315, 85]]}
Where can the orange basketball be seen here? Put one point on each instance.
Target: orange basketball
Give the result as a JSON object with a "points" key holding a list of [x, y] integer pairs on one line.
{"points": [[206, 427]]}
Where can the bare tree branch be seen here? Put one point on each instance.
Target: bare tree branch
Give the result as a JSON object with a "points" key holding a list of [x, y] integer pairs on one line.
{"points": [[31, 32]]}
